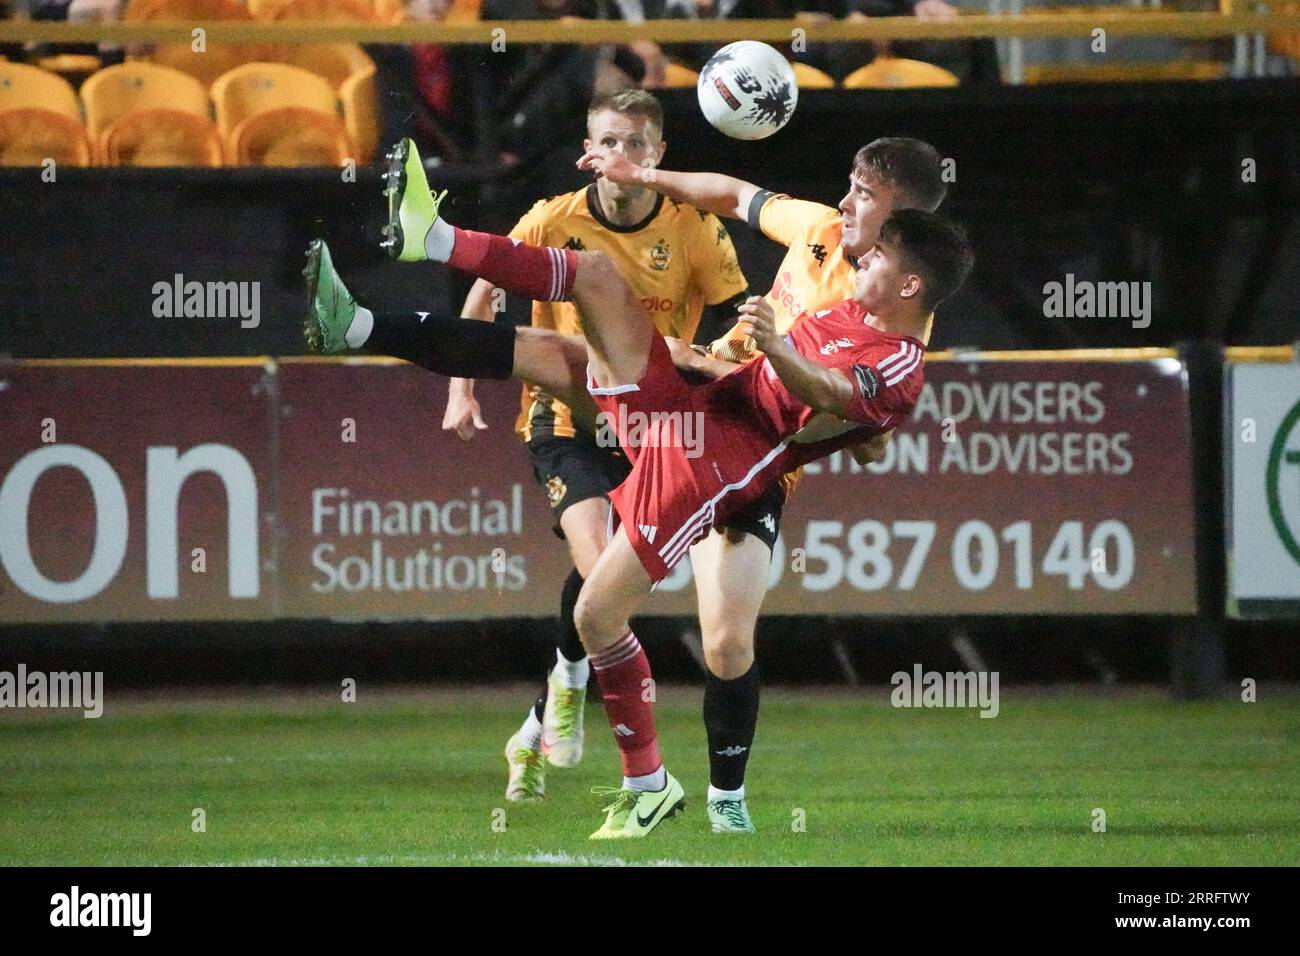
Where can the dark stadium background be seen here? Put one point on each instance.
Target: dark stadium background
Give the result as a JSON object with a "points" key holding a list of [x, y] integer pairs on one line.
{"points": [[1139, 181]]}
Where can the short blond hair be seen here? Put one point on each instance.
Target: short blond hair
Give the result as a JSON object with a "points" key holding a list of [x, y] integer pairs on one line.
{"points": [[629, 102]]}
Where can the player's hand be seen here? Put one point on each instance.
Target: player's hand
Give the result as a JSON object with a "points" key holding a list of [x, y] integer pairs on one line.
{"points": [[683, 355], [463, 415], [615, 166], [873, 449], [758, 321]]}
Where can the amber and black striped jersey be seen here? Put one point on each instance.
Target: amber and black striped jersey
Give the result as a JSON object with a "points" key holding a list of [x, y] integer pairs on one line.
{"points": [[677, 260]]}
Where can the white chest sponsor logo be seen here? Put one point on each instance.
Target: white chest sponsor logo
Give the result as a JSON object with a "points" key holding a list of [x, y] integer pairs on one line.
{"points": [[830, 348]]}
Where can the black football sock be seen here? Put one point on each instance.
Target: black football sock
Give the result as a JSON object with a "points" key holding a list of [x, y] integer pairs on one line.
{"points": [[730, 717], [569, 644], [463, 348]]}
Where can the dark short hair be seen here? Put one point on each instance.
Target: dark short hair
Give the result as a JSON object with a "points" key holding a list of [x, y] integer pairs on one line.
{"points": [[932, 246], [629, 102], [912, 166]]}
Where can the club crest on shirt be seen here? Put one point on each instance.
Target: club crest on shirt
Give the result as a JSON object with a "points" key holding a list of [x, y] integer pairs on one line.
{"points": [[556, 489], [659, 255], [830, 348]]}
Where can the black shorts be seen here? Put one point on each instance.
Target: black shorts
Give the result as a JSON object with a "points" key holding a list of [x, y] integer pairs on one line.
{"points": [[762, 519], [575, 469]]}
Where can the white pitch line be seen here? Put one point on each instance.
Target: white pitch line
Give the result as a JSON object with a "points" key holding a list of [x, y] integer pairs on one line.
{"points": [[546, 857]]}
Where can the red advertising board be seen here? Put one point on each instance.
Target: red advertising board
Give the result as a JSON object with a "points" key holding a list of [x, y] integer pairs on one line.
{"points": [[385, 515], [1023, 486], [1017, 487], [135, 491]]}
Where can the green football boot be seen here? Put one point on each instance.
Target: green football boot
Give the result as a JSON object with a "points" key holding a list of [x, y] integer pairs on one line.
{"points": [[412, 207], [730, 816], [330, 306], [526, 773], [634, 813], [562, 723]]}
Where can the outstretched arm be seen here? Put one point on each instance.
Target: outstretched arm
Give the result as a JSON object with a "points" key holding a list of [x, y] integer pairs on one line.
{"points": [[714, 192], [823, 389], [463, 415]]}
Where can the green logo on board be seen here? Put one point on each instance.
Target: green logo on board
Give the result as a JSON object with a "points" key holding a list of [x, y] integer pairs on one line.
{"points": [[1279, 455]]}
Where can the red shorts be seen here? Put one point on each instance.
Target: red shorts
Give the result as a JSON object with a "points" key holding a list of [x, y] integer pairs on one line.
{"points": [[669, 500]]}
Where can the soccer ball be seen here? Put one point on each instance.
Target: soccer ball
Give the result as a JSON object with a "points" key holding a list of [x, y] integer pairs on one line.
{"points": [[747, 90]]}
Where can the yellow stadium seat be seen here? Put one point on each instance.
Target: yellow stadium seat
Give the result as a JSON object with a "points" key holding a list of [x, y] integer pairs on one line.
{"points": [[73, 66], [892, 72], [465, 10], [334, 61], [676, 75], [250, 100], [290, 136], [117, 90], [1124, 72], [811, 78], [360, 101], [391, 11], [258, 87], [161, 137], [1287, 44], [216, 59], [40, 119], [152, 115], [29, 87], [350, 11]]}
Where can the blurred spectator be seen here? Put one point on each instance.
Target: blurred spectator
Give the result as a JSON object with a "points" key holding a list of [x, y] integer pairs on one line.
{"points": [[972, 61], [540, 92], [434, 93], [692, 55], [12, 51], [77, 11]]}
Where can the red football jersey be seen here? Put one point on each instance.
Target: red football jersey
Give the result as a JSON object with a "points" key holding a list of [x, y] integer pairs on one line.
{"points": [[702, 453], [885, 370]]}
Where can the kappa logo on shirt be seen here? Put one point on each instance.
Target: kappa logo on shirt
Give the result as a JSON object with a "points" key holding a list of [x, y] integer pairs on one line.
{"points": [[843, 342]]}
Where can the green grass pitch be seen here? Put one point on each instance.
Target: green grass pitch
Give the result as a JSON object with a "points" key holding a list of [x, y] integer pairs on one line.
{"points": [[416, 777]]}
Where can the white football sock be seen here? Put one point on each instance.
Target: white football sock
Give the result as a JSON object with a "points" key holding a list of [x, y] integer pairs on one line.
{"points": [[439, 241], [650, 781], [572, 674], [716, 794], [530, 734], [359, 330]]}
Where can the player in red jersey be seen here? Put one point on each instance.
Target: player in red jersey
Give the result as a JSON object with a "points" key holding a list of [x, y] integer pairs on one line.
{"points": [[701, 452]]}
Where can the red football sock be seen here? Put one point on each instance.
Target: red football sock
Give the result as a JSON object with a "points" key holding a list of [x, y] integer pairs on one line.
{"points": [[625, 687], [544, 273]]}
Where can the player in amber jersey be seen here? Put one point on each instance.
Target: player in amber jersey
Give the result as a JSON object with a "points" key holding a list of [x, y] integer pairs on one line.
{"points": [[824, 245], [823, 242], [677, 259], [842, 375]]}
